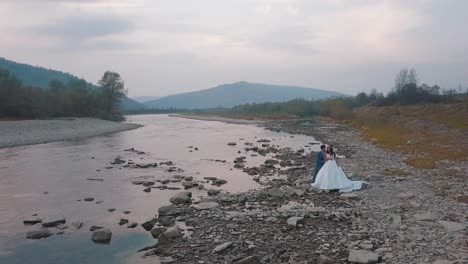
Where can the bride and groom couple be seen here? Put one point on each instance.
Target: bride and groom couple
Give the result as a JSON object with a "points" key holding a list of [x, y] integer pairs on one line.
{"points": [[329, 176]]}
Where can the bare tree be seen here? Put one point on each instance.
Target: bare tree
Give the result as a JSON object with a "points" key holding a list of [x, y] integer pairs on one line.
{"points": [[405, 77]]}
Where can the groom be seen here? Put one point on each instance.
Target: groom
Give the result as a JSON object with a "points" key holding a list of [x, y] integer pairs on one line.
{"points": [[320, 160]]}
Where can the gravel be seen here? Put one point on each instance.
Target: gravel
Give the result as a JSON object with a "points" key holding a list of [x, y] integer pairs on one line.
{"points": [[29, 132]]}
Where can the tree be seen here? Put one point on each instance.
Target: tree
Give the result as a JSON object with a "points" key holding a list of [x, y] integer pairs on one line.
{"points": [[405, 77], [113, 89]]}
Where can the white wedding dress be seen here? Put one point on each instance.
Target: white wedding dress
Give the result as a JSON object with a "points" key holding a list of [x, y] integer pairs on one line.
{"points": [[332, 177]]}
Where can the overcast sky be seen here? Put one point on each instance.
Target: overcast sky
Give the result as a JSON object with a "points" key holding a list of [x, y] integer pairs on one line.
{"points": [[172, 46]]}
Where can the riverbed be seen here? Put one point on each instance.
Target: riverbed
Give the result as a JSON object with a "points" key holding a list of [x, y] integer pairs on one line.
{"points": [[51, 180]]}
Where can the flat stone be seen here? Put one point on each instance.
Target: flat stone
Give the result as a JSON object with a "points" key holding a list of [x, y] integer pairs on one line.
{"points": [[76, 224], [181, 198], [425, 217], [53, 223], [206, 205], [222, 247], [452, 226], [249, 260], [93, 228], [362, 257], [38, 234], [325, 260], [132, 225], [350, 196], [275, 192], [171, 232], [102, 236], [32, 221]]}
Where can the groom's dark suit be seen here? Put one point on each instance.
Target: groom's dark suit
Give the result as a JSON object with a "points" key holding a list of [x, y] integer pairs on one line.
{"points": [[320, 160]]}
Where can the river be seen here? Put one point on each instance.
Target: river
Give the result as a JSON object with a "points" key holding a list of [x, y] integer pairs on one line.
{"points": [[51, 180]]}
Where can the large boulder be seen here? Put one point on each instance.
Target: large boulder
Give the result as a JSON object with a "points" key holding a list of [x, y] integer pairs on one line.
{"points": [[168, 210], [155, 232], [363, 257], [170, 233], [181, 198], [102, 236], [37, 234], [294, 221]]}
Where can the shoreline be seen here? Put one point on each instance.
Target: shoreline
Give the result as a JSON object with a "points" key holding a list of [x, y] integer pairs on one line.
{"points": [[220, 119], [32, 132]]}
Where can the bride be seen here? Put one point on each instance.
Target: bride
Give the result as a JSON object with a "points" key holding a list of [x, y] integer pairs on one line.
{"points": [[332, 177]]}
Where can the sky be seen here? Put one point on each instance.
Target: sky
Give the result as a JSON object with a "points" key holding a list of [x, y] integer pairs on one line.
{"points": [[173, 46]]}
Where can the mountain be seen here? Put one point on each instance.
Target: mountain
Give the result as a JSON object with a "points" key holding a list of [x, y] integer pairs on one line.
{"points": [[229, 95], [40, 77], [142, 99]]}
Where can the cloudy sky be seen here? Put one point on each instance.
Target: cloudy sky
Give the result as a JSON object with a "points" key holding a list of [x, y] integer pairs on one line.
{"points": [[172, 46]]}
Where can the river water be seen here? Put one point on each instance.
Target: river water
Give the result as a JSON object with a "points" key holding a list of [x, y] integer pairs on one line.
{"points": [[50, 179]]}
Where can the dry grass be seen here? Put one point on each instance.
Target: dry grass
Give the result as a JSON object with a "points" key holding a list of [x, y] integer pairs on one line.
{"points": [[396, 172], [429, 133]]}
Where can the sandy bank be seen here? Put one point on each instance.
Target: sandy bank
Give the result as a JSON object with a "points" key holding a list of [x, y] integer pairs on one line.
{"points": [[28, 132], [220, 119]]}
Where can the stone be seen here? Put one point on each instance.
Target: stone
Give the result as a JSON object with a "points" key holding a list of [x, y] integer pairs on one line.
{"points": [[126, 212], [132, 225], [181, 198], [188, 185], [102, 236], [76, 224], [93, 228], [168, 210], [148, 183], [325, 260], [363, 257], [147, 189], [219, 182], [428, 216], [294, 221], [38, 234], [171, 232], [452, 226], [167, 220], [188, 178], [213, 192], [53, 223], [350, 196], [123, 221], [32, 221], [442, 262], [249, 260], [275, 192], [88, 199], [110, 210], [232, 143], [155, 232], [62, 227], [148, 225], [222, 247], [206, 205]]}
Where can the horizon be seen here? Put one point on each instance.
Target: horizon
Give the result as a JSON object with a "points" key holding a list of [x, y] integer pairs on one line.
{"points": [[164, 48]]}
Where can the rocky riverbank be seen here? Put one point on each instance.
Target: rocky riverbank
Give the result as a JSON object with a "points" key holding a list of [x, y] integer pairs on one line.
{"points": [[29, 132], [405, 216]]}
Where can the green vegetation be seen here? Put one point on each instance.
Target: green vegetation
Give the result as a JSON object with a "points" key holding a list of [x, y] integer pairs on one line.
{"points": [[74, 98]]}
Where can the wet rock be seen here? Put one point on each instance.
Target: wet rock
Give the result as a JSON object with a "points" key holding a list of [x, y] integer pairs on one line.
{"points": [[232, 143], [188, 185], [88, 199], [32, 221], [111, 210], [138, 182], [148, 225], [38, 234], [155, 232], [148, 183], [362, 257], [62, 227], [117, 161], [93, 228], [181, 198], [132, 225], [210, 178], [219, 182], [168, 210], [206, 205], [147, 189], [123, 221], [95, 179], [249, 260], [165, 181], [222, 247], [189, 178], [53, 223], [102, 236], [167, 220], [126, 212]]}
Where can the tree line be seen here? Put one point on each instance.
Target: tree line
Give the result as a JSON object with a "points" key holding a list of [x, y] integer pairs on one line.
{"points": [[75, 98], [406, 91]]}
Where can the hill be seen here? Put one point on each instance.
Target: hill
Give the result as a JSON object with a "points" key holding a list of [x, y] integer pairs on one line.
{"points": [[41, 77], [229, 95], [143, 99]]}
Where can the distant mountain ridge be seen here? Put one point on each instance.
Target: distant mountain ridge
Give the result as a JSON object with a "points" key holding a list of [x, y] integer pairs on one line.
{"points": [[41, 77], [143, 99], [229, 95]]}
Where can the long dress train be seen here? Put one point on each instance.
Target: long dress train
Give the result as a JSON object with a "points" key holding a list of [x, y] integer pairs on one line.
{"points": [[332, 177]]}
